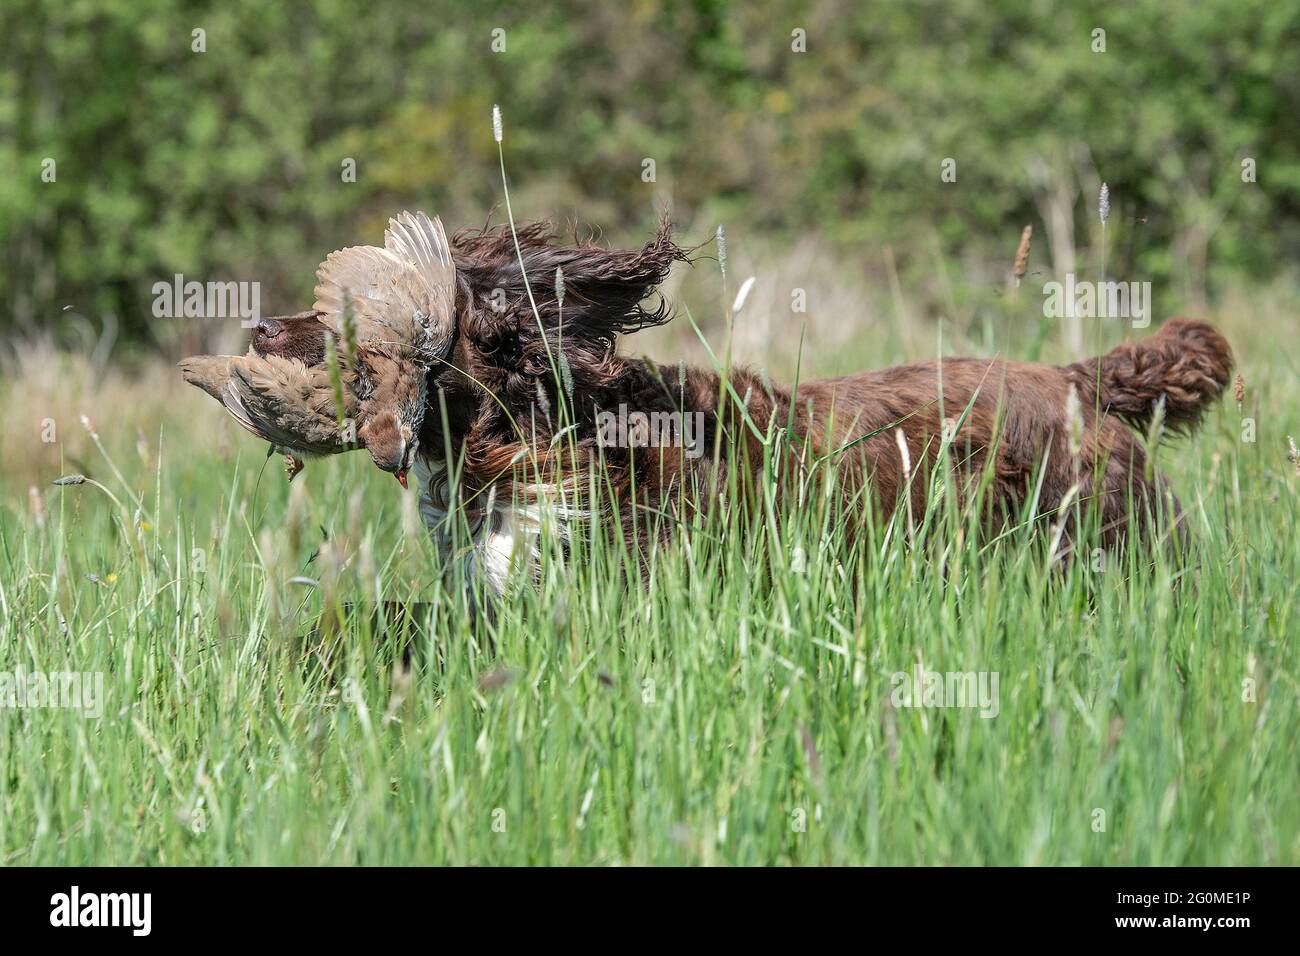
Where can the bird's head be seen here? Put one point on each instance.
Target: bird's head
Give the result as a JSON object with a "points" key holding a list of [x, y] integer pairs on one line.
{"points": [[391, 442]]}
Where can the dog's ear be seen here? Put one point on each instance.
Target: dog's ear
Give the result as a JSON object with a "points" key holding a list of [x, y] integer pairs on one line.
{"points": [[604, 290]]}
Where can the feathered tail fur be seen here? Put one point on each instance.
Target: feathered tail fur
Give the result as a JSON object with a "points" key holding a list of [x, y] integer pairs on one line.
{"points": [[1186, 363]]}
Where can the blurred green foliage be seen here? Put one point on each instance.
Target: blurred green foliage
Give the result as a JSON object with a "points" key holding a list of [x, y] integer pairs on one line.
{"points": [[226, 164]]}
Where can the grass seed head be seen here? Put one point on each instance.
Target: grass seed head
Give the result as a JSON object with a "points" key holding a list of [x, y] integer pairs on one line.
{"points": [[1074, 422], [37, 503], [1022, 254], [543, 402], [566, 376], [349, 357]]}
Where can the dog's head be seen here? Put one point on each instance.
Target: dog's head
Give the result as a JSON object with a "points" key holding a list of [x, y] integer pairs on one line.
{"points": [[531, 320], [300, 337]]}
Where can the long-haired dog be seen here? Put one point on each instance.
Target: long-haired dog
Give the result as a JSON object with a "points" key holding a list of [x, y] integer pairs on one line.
{"points": [[518, 408]]}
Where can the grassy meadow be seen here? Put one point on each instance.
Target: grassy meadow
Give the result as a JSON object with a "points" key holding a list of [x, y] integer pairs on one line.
{"points": [[735, 708]]}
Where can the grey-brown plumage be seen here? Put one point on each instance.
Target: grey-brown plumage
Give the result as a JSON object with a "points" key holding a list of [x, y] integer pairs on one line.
{"points": [[401, 298], [402, 295], [278, 399], [391, 313]]}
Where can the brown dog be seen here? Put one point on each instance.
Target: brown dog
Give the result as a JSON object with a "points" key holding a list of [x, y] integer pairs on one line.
{"points": [[528, 363]]}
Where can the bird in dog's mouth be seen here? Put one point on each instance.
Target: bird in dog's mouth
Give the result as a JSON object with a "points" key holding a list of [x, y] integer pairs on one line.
{"points": [[388, 315]]}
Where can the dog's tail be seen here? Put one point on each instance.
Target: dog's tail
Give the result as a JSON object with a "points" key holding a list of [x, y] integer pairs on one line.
{"points": [[1186, 363]]}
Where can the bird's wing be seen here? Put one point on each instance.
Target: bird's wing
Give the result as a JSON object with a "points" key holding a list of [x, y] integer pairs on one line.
{"points": [[291, 404], [278, 399], [403, 295], [422, 241], [364, 276]]}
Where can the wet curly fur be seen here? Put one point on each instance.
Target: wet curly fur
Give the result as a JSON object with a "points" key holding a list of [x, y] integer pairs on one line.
{"points": [[494, 404]]}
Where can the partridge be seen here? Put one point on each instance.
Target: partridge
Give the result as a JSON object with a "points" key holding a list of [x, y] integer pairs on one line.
{"points": [[395, 307], [390, 313], [278, 399]]}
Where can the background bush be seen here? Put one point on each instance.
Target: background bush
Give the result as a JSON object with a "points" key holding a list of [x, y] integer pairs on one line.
{"points": [[226, 164]]}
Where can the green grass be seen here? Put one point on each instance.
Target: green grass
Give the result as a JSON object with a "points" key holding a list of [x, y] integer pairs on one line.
{"points": [[730, 710]]}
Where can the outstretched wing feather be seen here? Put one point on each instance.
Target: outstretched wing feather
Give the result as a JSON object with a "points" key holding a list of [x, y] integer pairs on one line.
{"points": [[403, 295]]}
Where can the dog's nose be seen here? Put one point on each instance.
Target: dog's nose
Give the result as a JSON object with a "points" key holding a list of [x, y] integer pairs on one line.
{"points": [[269, 328]]}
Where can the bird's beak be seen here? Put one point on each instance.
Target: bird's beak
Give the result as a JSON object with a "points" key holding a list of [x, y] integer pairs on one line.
{"points": [[400, 475]]}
